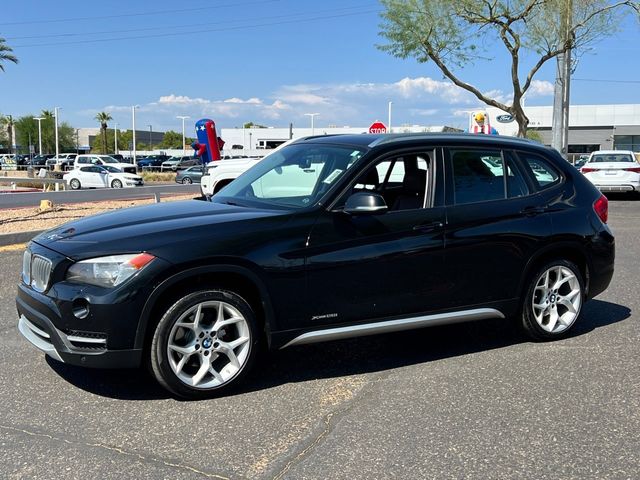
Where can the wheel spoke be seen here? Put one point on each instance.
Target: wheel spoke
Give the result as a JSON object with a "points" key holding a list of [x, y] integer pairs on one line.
{"points": [[553, 318], [572, 294], [215, 374], [186, 351], [202, 371], [181, 363], [568, 304], [237, 342], [562, 279], [228, 352]]}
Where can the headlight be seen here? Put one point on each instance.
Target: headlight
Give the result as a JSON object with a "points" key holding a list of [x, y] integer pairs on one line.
{"points": [[108, 271]]}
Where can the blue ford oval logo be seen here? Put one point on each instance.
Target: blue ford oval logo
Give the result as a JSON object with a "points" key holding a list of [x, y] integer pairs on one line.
{"points": [[506, 118]]}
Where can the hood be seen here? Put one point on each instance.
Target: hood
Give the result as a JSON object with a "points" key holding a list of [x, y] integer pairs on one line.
{"points": [[153, 228]]}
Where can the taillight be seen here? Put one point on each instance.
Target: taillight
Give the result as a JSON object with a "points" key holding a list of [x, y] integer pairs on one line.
{"points": [[601, 207], [633, 169], [587, 169]]}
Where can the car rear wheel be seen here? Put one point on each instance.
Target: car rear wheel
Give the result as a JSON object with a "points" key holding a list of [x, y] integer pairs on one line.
{"points": [[74, 184], [204, 344], [553, 300], [187, 181], [116, 184]]}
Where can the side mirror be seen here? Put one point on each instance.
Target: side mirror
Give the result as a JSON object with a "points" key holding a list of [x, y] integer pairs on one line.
{"points": [[365, 203]]}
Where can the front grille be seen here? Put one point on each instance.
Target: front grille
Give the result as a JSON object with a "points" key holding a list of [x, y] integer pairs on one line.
{"points": [[40, 272], [26, 267]]}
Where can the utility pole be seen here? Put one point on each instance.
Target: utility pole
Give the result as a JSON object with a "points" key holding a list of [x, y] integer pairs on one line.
{"points": [[561, 100], [184, 147], [115, 138], [133, 132], [39, 120], [56, 126], [389, 122]]}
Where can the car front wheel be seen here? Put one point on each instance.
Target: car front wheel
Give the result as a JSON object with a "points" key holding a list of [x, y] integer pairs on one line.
{"points": [[187, 181], [116, 184], [74, 184], [204, 344], [553, 300]]}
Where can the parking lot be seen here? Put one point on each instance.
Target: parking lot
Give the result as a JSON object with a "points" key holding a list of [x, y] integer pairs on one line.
{"points": [[464, 401]]}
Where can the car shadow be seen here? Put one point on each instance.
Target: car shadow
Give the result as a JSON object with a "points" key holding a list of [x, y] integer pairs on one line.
{"points": [[346, 357]]}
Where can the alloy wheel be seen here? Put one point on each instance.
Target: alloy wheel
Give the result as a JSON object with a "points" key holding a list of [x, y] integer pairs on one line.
{"points": [[557, 299], [209, 344]]}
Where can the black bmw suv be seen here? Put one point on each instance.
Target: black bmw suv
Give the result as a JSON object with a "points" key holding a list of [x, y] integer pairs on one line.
{"points": [[331, 237]]}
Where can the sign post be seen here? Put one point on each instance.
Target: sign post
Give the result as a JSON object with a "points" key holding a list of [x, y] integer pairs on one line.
{"points": [[377, 127]]}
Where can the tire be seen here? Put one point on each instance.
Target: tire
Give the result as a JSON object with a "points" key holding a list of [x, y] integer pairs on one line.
{"points": [[550, 310], [177, 336], [75, 184], [187, 181], [116, 184]]}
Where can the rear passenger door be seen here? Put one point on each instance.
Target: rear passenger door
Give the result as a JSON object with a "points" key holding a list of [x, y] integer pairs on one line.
{"points": [[494, 223]]}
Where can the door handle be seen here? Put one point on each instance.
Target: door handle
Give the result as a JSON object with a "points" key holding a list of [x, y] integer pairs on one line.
{"points": [[428, 227], [532, 211]]}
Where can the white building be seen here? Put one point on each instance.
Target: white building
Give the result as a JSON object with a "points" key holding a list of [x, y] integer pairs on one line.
{"points": [[591, 127], [252, 139]]}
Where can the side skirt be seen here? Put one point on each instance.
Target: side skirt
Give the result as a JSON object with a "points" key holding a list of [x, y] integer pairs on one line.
{"points": [[374, 328]]}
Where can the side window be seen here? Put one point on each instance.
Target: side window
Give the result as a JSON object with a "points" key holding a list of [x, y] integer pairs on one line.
{"points": [[481, 176], [402, 181], [83, 160], [478, 176], [543, 173]]}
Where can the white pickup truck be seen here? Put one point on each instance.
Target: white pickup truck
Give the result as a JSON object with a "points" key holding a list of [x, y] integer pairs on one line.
{"points": [[223, 172]]}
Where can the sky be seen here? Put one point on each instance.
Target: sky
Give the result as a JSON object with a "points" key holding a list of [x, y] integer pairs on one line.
{"points": [[265, 61]]}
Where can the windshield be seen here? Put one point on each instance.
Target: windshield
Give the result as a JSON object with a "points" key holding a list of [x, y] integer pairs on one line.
{"points": [[108, 159], [612, 157], [296, 176], [111, 169]]}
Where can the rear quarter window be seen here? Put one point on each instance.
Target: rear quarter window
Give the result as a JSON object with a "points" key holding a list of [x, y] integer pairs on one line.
{"points": [[544, 175]]}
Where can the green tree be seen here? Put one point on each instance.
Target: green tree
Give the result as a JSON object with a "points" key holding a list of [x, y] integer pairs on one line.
{"points": [[453, 34], [3, 132], [171, 139], [103, 118], [534, 135], [5, 54], [26, 128], [252, 125]]}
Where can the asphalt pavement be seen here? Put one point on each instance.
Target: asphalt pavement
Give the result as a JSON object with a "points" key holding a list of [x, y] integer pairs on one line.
{"points": [[474, 401]]}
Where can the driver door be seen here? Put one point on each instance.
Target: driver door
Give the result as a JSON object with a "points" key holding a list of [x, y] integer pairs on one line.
{"points": [[376, 266]]}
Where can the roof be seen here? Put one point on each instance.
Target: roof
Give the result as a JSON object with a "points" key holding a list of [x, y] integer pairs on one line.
{"points": [[373, 140]]}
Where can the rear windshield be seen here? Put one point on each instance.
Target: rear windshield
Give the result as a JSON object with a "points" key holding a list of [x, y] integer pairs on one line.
{"points": [[612, 157]]}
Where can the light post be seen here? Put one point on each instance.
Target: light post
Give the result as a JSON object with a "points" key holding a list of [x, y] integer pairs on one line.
{"points": [[133, 131], [39, 119], [56, 114], [313, 116], [184, 148], [389, 123], [150, 132], [115, 138]]}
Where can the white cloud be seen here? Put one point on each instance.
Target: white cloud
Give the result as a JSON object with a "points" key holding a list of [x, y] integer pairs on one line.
{"points": [[540, 88]]}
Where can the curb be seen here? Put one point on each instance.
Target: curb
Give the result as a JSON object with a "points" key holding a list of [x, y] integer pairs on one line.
{"points": [[20, 237]]}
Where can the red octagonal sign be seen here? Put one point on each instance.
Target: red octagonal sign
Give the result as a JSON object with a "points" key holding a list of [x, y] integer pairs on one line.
{"points": [[378, 127]]}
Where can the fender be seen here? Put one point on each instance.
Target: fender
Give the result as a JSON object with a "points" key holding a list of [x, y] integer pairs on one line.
{"points": [[205, 269]]}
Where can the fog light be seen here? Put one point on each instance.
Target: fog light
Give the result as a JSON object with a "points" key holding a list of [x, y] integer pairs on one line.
{"points": [[80, 308]]}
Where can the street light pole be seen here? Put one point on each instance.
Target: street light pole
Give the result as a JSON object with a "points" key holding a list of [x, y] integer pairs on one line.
{"points": [[150, 132], [313, 116], [115, 138], [184, 148], [55, 110], [389, 126], [133, 131], [39, 119]]}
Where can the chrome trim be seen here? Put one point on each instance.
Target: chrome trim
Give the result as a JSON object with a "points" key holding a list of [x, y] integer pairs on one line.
{"points": [[77, 339], [40, 272], [34, 335], [394, 325]]}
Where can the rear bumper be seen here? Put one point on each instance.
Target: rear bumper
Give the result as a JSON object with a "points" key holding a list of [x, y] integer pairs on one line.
{"points": [[628, 187]]}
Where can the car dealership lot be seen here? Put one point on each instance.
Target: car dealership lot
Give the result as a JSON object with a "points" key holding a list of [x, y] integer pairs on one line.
{"points": [[464, 401]]}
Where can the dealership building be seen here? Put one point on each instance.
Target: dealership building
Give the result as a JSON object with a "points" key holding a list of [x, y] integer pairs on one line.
{"points": [[591, 127]]}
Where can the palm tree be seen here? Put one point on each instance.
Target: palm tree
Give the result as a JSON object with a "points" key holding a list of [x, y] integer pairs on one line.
{"points": [[5, 54], [103, 118]]}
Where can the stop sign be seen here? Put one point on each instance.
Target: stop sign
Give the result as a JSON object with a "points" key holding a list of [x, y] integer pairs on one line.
{"points": [[378, 127]]}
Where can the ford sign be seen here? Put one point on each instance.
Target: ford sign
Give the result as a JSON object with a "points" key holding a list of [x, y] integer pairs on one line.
{"points": [[506, 118]]}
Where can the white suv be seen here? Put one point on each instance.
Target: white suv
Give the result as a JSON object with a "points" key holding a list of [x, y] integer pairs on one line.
{"points": [[65, 160], [93, 159]]}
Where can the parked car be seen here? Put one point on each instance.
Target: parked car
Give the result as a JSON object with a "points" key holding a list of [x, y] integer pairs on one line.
{"points": [[64, 161], [41, 160], [93, 159], [152, 161], [179, 163], [613, 171], [222, 172], [190, 175], [101, 176], [332, 237]]}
